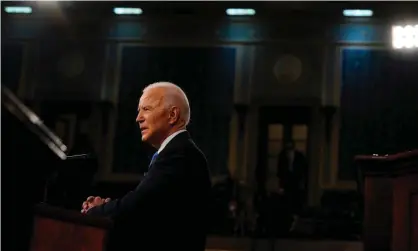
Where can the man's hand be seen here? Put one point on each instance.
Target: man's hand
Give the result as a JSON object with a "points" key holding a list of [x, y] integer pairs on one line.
{"points": [[91, 202]]}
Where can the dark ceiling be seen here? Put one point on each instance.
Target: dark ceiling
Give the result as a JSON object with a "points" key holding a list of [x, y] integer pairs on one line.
{"points": [[264, 9]]}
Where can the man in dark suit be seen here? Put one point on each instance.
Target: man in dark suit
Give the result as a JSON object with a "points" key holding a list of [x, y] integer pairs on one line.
{"points": [[292, 173], [168, 209]]}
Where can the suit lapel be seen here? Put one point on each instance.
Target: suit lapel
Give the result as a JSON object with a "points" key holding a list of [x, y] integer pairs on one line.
{"points": [[179, 140]]}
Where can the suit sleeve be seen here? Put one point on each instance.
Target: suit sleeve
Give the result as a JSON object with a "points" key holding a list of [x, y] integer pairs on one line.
{"points": [[280, 164], [158, 183], [304, 166]]}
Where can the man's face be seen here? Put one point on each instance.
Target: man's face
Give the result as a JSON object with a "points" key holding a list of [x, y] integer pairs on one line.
{"points": [[153, 117]]}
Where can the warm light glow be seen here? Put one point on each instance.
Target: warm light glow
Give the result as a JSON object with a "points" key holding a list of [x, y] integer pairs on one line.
{"points": [[240, 12], [405, 37]]}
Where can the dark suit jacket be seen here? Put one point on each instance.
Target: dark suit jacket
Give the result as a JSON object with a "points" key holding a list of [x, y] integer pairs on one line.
{"points": [[290, 179], [168, 209]]}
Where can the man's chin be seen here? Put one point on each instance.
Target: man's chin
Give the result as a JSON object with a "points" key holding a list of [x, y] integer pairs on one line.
{"points": [[144, 138]]}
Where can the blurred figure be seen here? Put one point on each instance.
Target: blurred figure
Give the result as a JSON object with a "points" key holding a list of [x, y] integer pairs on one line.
{"points": [[292, 173]]}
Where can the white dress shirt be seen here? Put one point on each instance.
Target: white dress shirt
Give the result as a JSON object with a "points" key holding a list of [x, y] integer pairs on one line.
{"points": [[168, 139]]}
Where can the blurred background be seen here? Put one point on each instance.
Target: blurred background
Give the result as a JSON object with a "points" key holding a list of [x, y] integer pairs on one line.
{"points": [[283, 96]]}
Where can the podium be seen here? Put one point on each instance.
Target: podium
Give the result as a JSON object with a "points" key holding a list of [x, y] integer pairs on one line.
{"points": [[31, 153], [59, 229], [390, 188]]}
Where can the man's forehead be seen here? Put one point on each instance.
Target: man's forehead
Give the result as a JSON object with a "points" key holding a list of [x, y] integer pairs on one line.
{"points": [[149, 98]]}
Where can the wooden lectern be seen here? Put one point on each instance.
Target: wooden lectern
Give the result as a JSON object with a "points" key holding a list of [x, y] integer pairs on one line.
{"points": [[390, 189], [58, 229], [31, 155]]}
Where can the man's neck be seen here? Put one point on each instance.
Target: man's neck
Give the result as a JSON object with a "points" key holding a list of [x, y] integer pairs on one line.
{"points": [[169, 138], [175, 130], [167, 135]]}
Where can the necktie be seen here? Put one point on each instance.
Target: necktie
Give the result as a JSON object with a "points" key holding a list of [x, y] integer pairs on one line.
{"points": [[154, 157]]}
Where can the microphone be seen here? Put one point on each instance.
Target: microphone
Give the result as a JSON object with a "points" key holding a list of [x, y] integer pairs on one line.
{"points": [[79, 156]]}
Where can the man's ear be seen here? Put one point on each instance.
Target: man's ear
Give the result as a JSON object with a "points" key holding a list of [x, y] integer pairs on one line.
{"points": [[173, 115]]}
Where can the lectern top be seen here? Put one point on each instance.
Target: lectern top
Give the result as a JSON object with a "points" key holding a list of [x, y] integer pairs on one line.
{"points": [[389, 157], [388, 165], [44, 210]]}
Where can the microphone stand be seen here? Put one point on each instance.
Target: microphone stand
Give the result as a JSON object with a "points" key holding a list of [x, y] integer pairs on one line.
{"points": [[55, 174], [51, 178]]}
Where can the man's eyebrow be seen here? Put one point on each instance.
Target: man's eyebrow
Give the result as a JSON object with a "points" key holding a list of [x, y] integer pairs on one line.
{"points": [[144, 106]]}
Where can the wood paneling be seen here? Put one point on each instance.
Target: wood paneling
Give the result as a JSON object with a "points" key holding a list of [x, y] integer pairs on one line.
{"points": [[405, 212], [57, 229], [390, 198]]}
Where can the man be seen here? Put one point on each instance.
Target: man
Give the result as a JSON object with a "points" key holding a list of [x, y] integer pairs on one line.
{"points": [[292, 174], [167, 210]]}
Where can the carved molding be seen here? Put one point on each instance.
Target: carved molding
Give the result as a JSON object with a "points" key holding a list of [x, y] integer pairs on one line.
{"points": [[287, 69]]}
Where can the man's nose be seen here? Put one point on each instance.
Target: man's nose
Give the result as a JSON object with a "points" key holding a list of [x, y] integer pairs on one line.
{"points": [[139, 118]]}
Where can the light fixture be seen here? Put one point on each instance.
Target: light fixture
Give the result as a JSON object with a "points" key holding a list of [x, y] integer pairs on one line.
{"points": [[357, 13], [18, 9], [405, 37], [127, 11], [240, 12]]}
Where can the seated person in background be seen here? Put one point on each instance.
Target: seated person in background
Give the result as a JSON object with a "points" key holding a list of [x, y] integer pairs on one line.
{"points": [[292, 174], [168, 209]]}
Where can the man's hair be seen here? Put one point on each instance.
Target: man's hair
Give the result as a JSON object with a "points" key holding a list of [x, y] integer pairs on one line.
{"points": [[172, 92]]}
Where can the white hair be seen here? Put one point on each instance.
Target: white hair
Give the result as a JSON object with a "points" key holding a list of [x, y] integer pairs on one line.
{"points": [[173, 92]]}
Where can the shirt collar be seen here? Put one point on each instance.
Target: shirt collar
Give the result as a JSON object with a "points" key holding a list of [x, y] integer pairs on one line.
{"points": [[168, 139]]}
